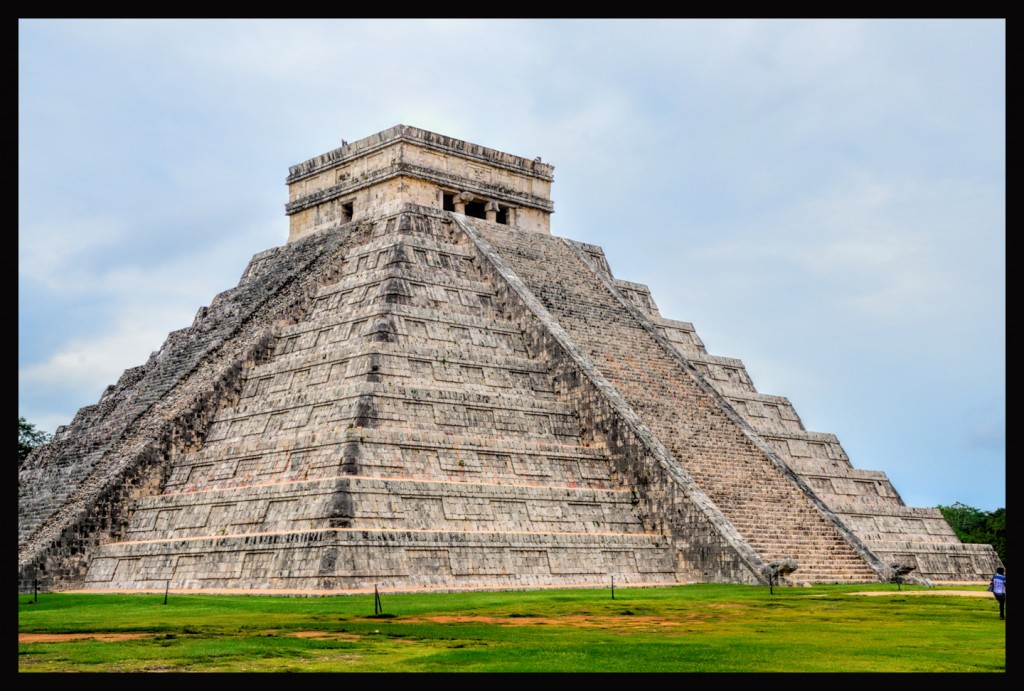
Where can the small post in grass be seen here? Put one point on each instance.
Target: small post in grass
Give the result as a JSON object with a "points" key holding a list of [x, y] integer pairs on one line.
{"points": [[898, 571], [35, 590], [166, 590], [613, 587], [775, 570], [377, 609]]}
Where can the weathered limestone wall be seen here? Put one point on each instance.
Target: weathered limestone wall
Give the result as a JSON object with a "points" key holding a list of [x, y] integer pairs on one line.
{"points": [[400, 435], [76, 493], [396, 561], [380, 503]]}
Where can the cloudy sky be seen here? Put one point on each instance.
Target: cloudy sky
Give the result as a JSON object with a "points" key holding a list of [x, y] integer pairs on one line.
{"points": [[824, 200]]}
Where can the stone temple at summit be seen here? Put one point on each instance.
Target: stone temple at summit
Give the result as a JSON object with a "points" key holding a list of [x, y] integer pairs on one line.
{"points": [[424, 389]]}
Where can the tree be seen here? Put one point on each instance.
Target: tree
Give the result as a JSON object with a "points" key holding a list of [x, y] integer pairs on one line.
{"points": [[963, 519], [997, 532], [975, 526], [29, 438]]}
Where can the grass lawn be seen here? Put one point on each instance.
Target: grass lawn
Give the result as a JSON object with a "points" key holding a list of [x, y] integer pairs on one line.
{"points": [[693, 628]]}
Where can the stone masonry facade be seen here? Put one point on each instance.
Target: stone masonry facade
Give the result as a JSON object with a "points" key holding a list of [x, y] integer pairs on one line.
{"points": [[426, 390]]}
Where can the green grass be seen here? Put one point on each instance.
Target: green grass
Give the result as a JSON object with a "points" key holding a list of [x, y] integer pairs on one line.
{"points": [[694, 628]]}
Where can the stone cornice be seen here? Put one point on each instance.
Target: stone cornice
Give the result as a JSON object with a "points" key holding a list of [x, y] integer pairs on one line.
{"points": [[400, 168], [426, 139]]}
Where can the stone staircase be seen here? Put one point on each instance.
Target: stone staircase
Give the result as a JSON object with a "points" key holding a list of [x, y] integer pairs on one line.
{"points": [[771, 512], [864, 500]]}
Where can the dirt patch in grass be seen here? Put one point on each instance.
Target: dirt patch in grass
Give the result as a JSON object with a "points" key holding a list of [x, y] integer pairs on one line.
{"points": [[623, 621], [325, 635], [24, 638], [65, 637]]}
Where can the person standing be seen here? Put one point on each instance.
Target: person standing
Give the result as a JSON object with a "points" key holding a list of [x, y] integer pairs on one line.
{"points": [[998, 588]]}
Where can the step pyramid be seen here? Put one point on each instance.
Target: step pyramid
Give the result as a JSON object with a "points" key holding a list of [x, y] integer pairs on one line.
{"points": [[423, 389]]}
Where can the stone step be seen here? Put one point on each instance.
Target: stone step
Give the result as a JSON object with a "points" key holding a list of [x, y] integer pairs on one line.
{"points": [[343, 559], [374, 503], [410, 322], [340, 400], [358, 287], [428, 454]]}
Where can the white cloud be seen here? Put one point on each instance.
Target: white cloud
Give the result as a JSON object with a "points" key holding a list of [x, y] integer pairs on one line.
{"points": [[86, 367], [56, 252], [146, 303]]}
